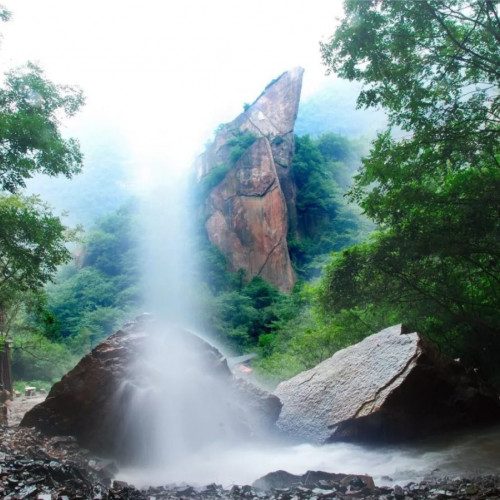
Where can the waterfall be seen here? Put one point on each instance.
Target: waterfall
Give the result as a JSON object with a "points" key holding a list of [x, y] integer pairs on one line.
{"points": [[181, 399]]}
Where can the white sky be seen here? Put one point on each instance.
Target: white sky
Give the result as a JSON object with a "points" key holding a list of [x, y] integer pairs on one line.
{"points": [[165, 73]]}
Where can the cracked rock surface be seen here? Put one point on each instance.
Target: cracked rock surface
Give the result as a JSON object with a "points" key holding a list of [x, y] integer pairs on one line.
{"points": [[390, 387], [250, 211]]}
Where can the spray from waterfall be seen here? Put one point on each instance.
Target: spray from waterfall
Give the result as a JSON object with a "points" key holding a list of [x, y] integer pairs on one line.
{"points": [[184, 422], [181, 397]]}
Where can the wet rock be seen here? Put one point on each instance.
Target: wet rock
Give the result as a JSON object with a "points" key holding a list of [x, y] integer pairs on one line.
{"points": [[83, 403], [95, 401], [398, 491], [185, 491], [277, 480], [36, 480], [313, 479], [390, 387], [23, 478]]}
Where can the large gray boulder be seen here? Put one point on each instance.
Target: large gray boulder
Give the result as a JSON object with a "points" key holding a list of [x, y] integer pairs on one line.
{"points": [[145, 389], [390, 387]]}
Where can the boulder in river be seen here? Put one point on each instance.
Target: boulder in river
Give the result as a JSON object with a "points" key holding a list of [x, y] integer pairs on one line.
{"points": [[279, 480], [392, 386], [134, 388]]}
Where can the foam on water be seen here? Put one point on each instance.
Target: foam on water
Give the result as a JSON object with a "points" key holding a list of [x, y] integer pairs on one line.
{"points": [[470, 454], [179, 423]]}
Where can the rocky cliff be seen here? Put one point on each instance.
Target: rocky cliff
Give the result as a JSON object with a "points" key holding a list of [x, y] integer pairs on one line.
{"points": [[249, 203]]}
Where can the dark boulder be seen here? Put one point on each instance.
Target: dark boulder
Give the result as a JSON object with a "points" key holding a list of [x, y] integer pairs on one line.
{"points": [[390, 387], [112, 399], [281, 479]]}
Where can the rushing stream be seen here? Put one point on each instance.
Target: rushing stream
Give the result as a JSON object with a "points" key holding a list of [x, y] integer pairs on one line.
{"points": [[470, 453], [181, 416]]}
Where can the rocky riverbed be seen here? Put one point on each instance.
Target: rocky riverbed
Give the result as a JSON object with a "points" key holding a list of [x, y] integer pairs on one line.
{"points": [[34, 466]]}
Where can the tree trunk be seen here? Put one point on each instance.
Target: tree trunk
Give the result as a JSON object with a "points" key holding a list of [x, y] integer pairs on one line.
{"points": [[5, 370]]}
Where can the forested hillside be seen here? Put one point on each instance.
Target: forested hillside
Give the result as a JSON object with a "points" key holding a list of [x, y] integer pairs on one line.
{"points": [[405, 230], [101, 289], [92, 296], [333, 108], [434, 194]]}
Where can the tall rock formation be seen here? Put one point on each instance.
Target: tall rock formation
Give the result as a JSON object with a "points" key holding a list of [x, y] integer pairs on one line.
{"points": [[250, 202]]}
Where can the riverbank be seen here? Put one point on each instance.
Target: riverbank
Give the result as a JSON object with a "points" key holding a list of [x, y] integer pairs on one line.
{"points": [[36, 467], [17, 407]]}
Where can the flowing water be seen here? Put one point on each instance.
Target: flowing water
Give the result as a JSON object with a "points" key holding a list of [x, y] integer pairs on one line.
{"points": [[179, 423], [469, 454]]}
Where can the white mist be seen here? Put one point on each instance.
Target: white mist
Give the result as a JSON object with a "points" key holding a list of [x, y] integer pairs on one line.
{"points": [[180, 423], [469, 455], [181, 404]]}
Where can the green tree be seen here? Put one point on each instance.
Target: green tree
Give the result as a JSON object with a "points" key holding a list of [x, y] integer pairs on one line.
{"points": [[31, 107], [32, 246], [434, 189], [325, 222], [32, 239]]}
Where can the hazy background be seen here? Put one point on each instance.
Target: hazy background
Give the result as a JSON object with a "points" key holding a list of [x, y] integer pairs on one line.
{"points": [[162, 75]]}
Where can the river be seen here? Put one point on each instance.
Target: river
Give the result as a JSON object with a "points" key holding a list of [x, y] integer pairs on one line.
{"points": [[471, 453]]}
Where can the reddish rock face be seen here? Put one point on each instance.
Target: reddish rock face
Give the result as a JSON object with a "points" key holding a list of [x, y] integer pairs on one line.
{"points": [[249, 212], [93, 402], [249, 218], [390, 387]]}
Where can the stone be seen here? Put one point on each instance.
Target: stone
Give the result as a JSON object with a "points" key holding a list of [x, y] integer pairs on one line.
{"points": [[29, 391], [280, 480], [398, 491], [277, 480], [263, 407], [250, 212], [358, 482], [248, 220], [392, 386], [94, 401]]}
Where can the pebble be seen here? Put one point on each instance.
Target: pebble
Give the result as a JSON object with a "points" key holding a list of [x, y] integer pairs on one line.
{"points": [[34, 468]]}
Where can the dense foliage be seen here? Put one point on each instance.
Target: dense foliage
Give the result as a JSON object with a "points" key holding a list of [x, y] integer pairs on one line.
{"points": [[101, 289], [288, 331], [322, 170], [32, 244], [31, 141], [90, 299], [433, 189], [32, 239], [430, 184]]}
